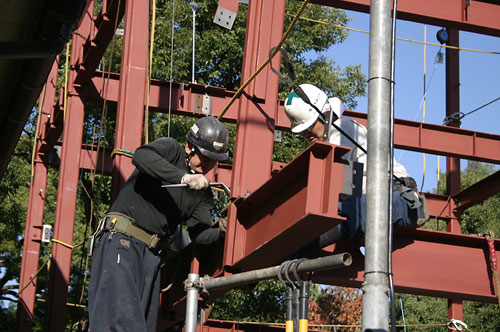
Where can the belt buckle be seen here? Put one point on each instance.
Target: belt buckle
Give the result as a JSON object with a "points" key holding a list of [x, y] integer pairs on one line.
{"points": [[153, 241]]}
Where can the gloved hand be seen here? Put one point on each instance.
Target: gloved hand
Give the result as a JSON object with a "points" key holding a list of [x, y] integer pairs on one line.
{"points": [[195, 181], [222, 226]]}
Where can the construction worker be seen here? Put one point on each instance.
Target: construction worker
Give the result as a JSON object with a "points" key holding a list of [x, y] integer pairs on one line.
{"points": [[124, 287], [307, 121]]}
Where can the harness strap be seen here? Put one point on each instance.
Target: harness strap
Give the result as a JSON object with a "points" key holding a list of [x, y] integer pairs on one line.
{"points": [[117, 222]]}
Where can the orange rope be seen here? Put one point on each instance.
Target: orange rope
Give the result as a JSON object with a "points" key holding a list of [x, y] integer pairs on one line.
{"points": [[490, 236]]}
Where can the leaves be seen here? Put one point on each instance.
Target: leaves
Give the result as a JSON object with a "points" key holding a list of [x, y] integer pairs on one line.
{"points": [[331, 305]]}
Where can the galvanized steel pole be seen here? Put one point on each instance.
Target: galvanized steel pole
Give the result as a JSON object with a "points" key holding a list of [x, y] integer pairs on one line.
{"points": [[192, 288], [375, 288]]}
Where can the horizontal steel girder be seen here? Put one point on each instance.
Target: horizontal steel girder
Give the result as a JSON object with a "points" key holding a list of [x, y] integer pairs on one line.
{"points": [[479, 16], [291, 209], [409, 135], [430, 263], [441, 140]]}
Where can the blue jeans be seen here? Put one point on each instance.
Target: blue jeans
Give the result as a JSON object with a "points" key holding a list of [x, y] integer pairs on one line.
{"points": [[354, 209]]}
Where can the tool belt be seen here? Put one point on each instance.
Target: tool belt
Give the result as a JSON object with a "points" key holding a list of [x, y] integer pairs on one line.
{"points": [[117, 222]]}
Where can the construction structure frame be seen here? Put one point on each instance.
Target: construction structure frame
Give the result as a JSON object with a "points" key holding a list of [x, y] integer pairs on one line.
{"points": [[275, 203]]}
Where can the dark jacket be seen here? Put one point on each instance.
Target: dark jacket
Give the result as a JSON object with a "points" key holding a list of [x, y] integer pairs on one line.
{"points": [[159, 210]]}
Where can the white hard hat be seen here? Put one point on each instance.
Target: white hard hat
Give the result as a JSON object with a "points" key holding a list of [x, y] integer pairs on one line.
{"points": [[302, 115], [337, 106]]}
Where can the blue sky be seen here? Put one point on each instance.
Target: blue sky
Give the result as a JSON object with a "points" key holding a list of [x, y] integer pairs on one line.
{"points": [[479, 78]]}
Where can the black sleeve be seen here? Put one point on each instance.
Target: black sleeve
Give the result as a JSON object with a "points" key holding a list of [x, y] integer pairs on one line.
{"points": [[153, 160], [200, 222]]}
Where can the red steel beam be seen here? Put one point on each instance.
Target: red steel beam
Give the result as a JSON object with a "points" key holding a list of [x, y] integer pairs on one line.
{"points": [[98, 159], [132, 90], [428, 263], [291, 209], [480, 17], [66, 199], [441, 140], [409, 135], [102, 32], [478, 192], [34, 217], [455, 309], [256, 113]]}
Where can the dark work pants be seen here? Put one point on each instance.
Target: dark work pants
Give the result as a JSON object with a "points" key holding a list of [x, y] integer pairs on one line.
{"points": [[124, 285], [354, 209]]}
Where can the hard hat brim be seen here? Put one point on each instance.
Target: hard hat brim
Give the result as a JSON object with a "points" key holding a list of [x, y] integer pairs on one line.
{"points": [[212, 155], [303, 126]]}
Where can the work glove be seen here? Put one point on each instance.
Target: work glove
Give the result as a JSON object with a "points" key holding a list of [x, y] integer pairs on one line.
{"points": [[222, 226], [195, 181]]}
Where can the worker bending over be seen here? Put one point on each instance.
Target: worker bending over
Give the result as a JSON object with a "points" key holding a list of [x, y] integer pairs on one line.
{"points": [[305, 120], [124, 287]]}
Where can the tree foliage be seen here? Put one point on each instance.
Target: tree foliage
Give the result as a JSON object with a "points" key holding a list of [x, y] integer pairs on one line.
{"points": [[331, 305]]}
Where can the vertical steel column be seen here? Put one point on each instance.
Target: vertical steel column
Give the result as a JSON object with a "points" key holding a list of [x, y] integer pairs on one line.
{"points": [[69, 171], [376, 293], [257, 113], [34, 216], [132, 93], [453, 164]]}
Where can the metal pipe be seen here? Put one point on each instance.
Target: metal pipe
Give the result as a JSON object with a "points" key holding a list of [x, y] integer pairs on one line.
{"points": [[391, 169], [309, 265], [194, 7], [289, 326], [304, 305], [192, 285], [375, 298]]}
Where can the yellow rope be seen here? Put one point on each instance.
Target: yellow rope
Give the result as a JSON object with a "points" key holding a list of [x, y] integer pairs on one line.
{"points": [[285, 36], [67, 244], [399, 38], [151, 47], [319, 326], [68, 304], [33, 277], [424, 103], [66, 69], [218, 189]]}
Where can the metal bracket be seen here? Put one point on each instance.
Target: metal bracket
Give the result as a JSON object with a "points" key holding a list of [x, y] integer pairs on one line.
{"points": [[226, 13], [46, 233], [278, 135], [353, 179], [202, 103]]}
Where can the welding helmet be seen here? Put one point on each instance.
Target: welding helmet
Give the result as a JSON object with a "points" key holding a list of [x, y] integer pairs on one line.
{"points": [[210, 137], [301, 114]]}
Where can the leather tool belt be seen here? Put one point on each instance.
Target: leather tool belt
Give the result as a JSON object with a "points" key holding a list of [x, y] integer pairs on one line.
{"points": [[117, 222]]}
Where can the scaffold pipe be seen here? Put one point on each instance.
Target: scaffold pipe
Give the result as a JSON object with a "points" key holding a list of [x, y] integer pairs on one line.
{"points": [[308, 265]]}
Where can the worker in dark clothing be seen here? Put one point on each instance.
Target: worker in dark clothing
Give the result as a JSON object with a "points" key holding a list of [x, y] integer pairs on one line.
{"points": [[125, 283]]}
